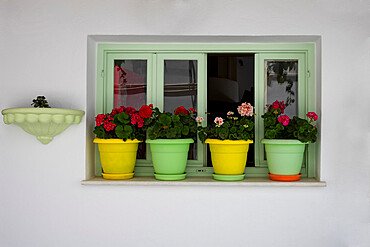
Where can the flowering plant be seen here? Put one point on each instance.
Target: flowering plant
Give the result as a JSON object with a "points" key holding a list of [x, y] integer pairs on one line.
{"points": [[279, 126], [180, 125], [123, 123], [231, 128]]}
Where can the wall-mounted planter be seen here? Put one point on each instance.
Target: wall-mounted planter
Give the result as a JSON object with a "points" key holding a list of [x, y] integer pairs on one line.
{"points": [[44, 123]]}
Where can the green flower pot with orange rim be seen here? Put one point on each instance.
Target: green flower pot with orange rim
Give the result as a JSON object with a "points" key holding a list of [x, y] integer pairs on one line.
{"points": [[229, 158], [117, 157], [284, 158]]}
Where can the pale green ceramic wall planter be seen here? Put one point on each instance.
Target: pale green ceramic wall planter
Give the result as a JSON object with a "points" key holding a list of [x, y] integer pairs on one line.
{"points": [[44, 123], [170, 157], [284, 157]]}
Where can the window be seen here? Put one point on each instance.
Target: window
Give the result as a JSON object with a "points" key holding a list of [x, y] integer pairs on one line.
{"points": [[210, 78]]}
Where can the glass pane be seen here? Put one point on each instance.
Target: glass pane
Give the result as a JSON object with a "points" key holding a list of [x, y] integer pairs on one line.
{"points": [[180, 84], [130, 80], [230, 82], [180, 89], [281, 83]]}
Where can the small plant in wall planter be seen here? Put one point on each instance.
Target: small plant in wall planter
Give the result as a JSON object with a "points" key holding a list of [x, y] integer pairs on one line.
{"points": [[229, 140], [40, 102], [170, 137], [118, 135], [41, 120], [285, 141]]}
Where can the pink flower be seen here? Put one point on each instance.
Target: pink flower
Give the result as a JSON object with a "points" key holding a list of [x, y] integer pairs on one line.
{"points": [[230, 113], [245, 109], [312, 116], [218, 121], [199, 120], [284, 119]]}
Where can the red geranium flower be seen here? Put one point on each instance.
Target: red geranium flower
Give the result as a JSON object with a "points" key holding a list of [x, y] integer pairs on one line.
{"points": [[108, 126], [145, 111], [136, 119], [284, 119], [182, 110], [99, 119], [117, 110], [312, 115], [130, 110]]}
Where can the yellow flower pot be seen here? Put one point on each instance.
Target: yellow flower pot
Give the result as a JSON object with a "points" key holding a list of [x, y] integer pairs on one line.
{"points": [[229, 157], [117, 157]]}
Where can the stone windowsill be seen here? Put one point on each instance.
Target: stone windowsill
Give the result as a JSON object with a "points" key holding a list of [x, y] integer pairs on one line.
{"points": [[205, 181]]}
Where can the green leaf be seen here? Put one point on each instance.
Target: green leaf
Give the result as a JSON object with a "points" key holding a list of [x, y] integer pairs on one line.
{"points": [[171, 133], [176, 119], [123, 117], [164, 119], [185, 130]]}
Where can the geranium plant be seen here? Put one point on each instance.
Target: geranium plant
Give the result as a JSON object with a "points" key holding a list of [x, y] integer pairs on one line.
{"points": [[232, 127], [180, 125], [123, 123], [280, 126]]}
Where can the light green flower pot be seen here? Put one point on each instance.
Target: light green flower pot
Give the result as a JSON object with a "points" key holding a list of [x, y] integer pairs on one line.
{"points": [[284, 157], [170, 157]]}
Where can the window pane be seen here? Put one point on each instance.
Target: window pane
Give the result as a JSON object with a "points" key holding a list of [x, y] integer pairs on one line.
{"points": [[281, 83], [180, 84], [130, 80], [180, 89], [230, 82]]}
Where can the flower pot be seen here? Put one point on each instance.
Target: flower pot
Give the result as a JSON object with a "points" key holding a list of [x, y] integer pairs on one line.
{"points": [[284, 157], [117, 157], [229, 158], [169, 157]]}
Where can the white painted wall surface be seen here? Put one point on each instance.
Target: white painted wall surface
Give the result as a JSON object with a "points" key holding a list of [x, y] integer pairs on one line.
{"points": [[43, 51]]}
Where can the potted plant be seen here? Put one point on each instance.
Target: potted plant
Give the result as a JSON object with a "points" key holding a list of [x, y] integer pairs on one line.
{"points": [[118, 135], [229, 141], [170, 137], [285, 141], [42, 121]]}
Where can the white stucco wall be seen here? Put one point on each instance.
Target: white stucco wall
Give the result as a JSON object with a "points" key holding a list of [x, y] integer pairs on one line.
{"points": [[43, 51]]}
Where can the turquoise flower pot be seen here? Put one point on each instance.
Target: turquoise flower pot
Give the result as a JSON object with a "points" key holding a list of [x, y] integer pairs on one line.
{"points": [[284, 157]]}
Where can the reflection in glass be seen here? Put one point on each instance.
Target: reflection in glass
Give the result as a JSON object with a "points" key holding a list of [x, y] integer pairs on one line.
{"points": [[180, 89], [281, 83], [130, 80]]}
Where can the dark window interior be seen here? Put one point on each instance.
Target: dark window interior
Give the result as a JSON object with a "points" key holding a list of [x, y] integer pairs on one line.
{"points": [[230, 82]]}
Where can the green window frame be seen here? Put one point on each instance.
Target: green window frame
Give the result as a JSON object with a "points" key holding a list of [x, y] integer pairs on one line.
{"points": [[155, 54]]}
